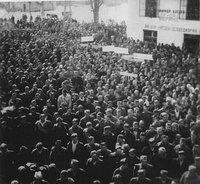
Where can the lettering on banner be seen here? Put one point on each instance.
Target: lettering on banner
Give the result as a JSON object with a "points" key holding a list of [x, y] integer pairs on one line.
{"points": [[175, 29]]}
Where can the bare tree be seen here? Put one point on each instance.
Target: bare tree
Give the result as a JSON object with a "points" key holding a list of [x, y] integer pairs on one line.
{"points": [[95, 5]]}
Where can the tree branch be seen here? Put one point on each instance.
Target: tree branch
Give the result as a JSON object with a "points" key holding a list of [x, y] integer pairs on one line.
{"points": [[91, 3], [101, 2]]}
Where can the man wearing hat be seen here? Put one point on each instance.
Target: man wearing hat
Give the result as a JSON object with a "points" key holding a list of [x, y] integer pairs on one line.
{"points": [[141, 143], [91, 145], [132, 159], [87, 118], [75, 128], [104, 154], [94, 168], [39, 178], [76, 150], [76, 173], [179, 165], [149, 169], [149, 150], [64, 178], [161, 161], [190, 176], [89, 105], [128, 135], [97, 110], [24, 133], [124, 171], [141, 178], [90, 131], [163, 178], [109, 138]]}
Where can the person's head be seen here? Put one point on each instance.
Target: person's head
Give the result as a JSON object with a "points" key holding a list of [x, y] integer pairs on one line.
{"points": [[142, 136], [14, 182], [126, 127], [193, 136], [74, 164], [163, 174], [126, 148], [130, 112], [135, 125], [164, 139], [132, 153], [96, 182], [91, 140], [120, 138], [75, 122], [123, 162], [181, 155], [42, 117], [143, 159], [117, 178], [182, 142], [89, 125], [141, 173], [162, 151], [58, 143], [103, 146], [64, 92], [87, 112], [197, 160], [93, 155], [192, 170], [160, 130], [74, 138], [23, 150], [23, 119], [63, 175], [38, 175], [168, 126], [107, 130], [118, 150], [39, 146], [109, 112]]}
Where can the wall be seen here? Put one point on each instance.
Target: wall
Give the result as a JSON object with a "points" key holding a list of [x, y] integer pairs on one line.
{"points": [[169, 30]]}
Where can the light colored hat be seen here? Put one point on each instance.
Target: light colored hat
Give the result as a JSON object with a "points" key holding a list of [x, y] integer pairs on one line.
{"points": [[38, 175]]}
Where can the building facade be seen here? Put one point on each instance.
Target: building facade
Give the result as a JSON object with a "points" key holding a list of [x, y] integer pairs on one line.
{"points": [[165, 21]]}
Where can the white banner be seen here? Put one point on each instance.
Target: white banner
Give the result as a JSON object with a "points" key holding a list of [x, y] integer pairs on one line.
{"points": [[84, 44], [143, 56], [128, 57], [87, 39], [119, 50], [128, 74], [109, 48]]}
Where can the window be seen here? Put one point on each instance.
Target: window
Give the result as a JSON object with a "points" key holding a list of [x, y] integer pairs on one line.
{"points": [[148, 8], [189, 9], [192, 10], [183, 9], [150, 36], [142, 8], [151, 8]]}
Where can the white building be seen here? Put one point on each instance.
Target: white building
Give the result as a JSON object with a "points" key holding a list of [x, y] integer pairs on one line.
{"points": [[165, 21]]}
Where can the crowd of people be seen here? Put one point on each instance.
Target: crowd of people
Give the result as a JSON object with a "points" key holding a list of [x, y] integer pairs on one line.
{"points": [[69, 116]]}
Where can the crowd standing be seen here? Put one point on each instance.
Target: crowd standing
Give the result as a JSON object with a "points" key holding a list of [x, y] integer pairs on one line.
{"points": [[68, 116]]}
